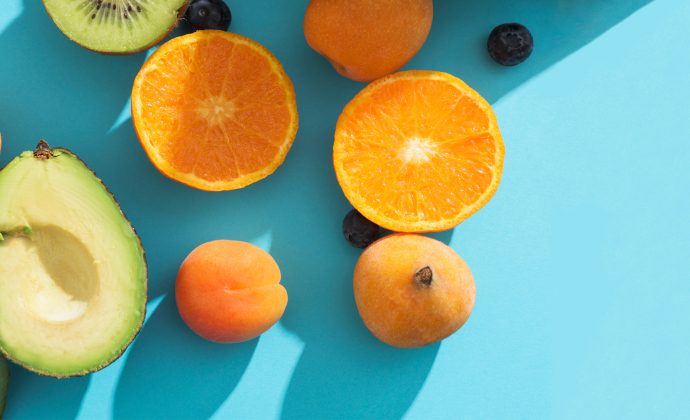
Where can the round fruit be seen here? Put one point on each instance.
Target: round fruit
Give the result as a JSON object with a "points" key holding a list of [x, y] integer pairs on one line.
{"points": [[208, 14], [367, 39], [510, 44], [214, 110], [72, 269], [418, 151], [229, 291], [412, 291], [116, 27], [359, 231]]}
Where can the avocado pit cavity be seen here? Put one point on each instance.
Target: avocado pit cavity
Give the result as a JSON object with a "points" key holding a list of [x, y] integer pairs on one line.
{"points": [[62, 277]]}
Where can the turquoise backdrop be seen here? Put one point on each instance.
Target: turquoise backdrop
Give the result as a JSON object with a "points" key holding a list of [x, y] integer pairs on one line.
{"points": [[580, 259]]}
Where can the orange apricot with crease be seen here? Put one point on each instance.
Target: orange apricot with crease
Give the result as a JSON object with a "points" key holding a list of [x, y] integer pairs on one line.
{"points": [[229, 291]]}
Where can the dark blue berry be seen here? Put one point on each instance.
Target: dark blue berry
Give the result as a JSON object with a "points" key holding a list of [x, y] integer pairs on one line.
{"points": [[510, 44], [359, 231], [208, 14]]}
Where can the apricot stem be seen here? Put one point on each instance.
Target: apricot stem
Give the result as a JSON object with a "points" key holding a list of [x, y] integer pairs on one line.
{"points": [[424, 276]]}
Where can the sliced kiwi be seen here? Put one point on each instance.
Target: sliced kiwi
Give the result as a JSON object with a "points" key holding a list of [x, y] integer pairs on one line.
{"points": [[116, 26]]}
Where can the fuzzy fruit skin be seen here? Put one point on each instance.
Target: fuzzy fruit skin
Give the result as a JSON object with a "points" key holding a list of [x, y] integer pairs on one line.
{"points": [[396, 307], [229, 291], [367, 39]]}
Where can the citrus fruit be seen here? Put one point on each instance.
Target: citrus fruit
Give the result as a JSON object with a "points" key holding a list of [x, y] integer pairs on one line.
{"points": [[214, 110], [412, 291], [367, 39], [418, 151], [229, 291]]}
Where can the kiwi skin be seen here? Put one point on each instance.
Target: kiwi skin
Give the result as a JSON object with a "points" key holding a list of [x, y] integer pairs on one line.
{"points": [[180, 13]]}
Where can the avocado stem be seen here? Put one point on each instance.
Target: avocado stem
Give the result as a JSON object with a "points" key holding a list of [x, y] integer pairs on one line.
{"points": [[42, 151], [424, 276]]}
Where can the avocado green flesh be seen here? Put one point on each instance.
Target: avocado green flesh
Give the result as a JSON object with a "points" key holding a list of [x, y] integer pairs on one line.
{"points": [[72, 270], [106, 29], [4, 383]]}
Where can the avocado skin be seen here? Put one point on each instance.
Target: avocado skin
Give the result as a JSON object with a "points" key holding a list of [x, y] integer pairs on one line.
{"points": [[4, 384], [43, 151]]}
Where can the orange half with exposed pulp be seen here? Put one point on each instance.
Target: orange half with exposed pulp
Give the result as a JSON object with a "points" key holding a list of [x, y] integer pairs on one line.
{"points": [[418, 151], [214, 110]]}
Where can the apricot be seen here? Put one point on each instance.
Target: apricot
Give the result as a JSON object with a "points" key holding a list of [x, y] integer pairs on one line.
{"points": [[412, 291], [229, 291], [367, 39]]}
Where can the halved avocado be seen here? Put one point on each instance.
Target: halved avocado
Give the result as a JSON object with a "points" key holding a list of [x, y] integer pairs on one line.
{"points": [[72, 269], [4, 384]]}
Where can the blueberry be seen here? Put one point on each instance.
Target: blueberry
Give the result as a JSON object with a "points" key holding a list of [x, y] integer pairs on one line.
{"points": [[208, 14], [359, 231], [510, 44]]}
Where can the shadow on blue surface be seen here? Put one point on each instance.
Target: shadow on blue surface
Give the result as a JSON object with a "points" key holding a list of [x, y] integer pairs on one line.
{"points": [[46, 91], [31, 396], [344, 372], [187, 375], [54, 89], [559, 28]]}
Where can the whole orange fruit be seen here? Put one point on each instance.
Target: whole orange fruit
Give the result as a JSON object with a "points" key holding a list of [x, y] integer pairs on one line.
{"points": [[412, 291], [367, 39], [229, 291]]}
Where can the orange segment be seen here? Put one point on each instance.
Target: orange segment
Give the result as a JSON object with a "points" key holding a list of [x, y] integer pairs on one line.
{"points": [[214, 110], [418, 151]]}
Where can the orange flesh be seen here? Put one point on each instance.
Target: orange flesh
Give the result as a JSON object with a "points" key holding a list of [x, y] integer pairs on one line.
{"points": [[415, 152], [214, 110]]}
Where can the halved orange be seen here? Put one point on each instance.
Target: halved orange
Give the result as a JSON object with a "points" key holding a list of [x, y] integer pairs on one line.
{"points": [[418, 151], [214, 110]]}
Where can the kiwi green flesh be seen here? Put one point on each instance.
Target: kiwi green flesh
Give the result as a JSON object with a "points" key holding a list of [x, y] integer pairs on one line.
{"points": [[116, 26], [4, 383]]}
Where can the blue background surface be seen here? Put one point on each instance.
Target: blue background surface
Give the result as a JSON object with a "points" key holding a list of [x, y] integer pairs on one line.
{"points": [[580, 259]]}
